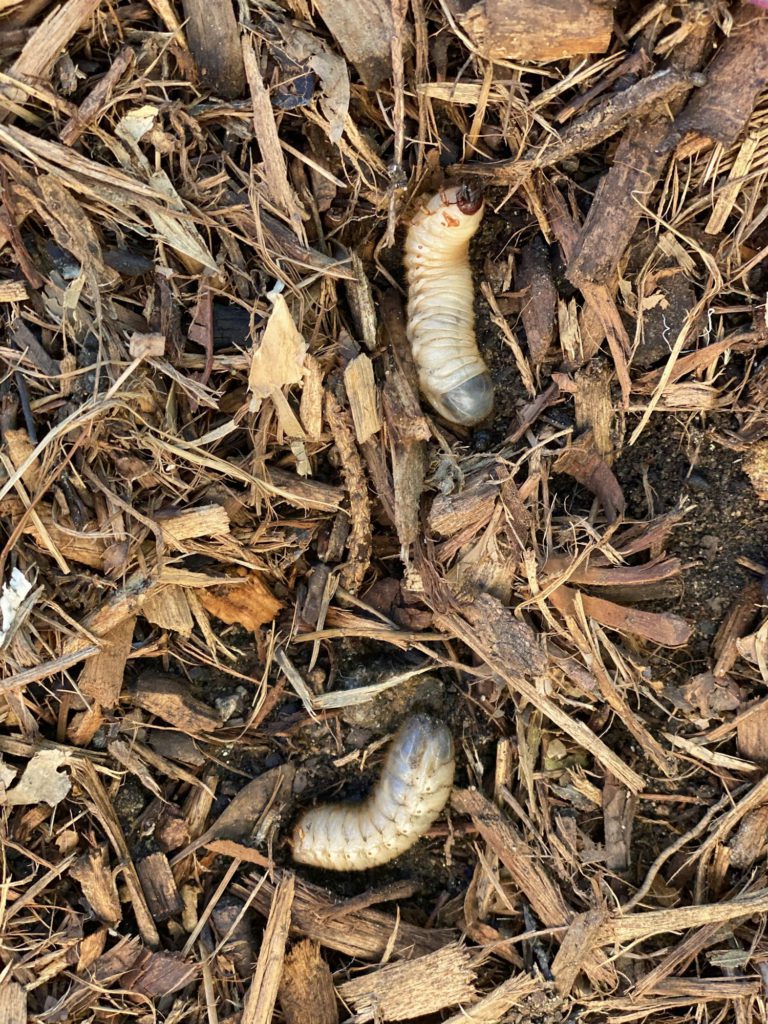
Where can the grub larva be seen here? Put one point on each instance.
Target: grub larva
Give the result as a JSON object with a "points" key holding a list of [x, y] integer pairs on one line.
{"points": [[441, 321], [413, 788]]}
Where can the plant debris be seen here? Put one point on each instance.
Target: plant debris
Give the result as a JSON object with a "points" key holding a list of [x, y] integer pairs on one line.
{"points": [[238, 546]]}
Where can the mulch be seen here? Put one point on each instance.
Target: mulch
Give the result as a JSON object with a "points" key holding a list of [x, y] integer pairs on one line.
{"points": [[237, 547]]}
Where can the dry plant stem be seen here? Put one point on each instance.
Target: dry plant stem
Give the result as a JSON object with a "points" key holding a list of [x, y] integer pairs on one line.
{"points": [[757, 796], [671, 850], [143, 212], [359, 541], [44, 46], [496, 1004], [528, 874], [102, 808], [496, 655]]}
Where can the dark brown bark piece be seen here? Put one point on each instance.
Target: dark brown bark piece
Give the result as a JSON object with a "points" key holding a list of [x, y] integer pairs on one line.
{"points": [[736, 624], [408, 432], [623, 192], [582, 462], [359, 540], [97, 99], [619, 201], [735, 78], [661, 628], [540, 299], [232, 925], [214, 39], [159, 886]]}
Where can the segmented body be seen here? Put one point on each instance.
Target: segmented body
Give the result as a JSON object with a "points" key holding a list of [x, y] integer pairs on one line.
{"points": [[413, 788], [441, 321]]}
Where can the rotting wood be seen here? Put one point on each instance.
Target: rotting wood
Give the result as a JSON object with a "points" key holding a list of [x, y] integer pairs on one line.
{"points": [[363, 401], [752, 736]]}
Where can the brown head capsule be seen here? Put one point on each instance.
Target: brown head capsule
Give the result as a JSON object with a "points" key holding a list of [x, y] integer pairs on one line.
{"points": [[469, 199], [441, 322]]}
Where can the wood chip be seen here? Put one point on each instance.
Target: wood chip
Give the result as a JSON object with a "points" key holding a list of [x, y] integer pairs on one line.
{"points": [[44, 46], [307, 981], [412, 989], [366, 934], [261, 997], [662, 628], [13, 1003], [736, 76], [517, 30], [178, 525], [361, 391], [250, 603], [752, 736], [159, 886], [493, 1007], [214, 39], [364, 31], [102, 676], [97, 881], [169, 699]]}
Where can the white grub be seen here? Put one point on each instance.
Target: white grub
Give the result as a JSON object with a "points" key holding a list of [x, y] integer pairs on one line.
{"points": [[413, 789], [441, 321]]}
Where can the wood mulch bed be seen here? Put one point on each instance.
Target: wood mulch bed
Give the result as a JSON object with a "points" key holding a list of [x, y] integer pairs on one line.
{"points": [[236, 548]]}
